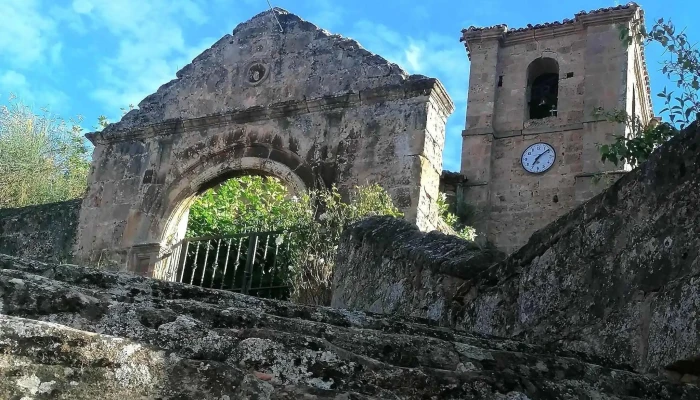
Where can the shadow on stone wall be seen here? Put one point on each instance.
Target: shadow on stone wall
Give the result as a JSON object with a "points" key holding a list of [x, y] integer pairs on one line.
{"points": [[615, 278], [45, 232]]}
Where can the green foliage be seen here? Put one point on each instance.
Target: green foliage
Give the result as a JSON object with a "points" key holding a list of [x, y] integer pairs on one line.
{"points": [[244, 204], [455, 221], [43, 158], [638, 146], [683, 107], [315, 221], [444, 210], [318, 235]]}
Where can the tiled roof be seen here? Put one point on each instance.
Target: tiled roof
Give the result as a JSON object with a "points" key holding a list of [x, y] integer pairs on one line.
{"points": [[551, 24]]}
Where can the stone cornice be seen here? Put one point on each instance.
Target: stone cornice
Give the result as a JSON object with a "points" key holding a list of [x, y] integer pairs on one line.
{"points": [[537, 130], [430, 88], [442, 98], [580, 21], [539, 34]]}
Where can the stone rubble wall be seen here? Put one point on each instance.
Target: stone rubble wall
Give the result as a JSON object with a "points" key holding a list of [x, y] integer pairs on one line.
{"points": [[616, 277], [45, 232], [386, 265], [69, 332]]}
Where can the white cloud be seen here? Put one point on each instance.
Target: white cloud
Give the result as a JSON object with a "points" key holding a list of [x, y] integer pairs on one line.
{"points": [[328, 14], [433, 55], [55, 53], [413, 55], [82, 6], [16, 83], [150, 45], [26, 33], [11, 79]]}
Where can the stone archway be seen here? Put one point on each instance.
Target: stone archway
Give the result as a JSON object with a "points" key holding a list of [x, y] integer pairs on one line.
{"points": [[306, 106], [171, 225], [184, 190]]}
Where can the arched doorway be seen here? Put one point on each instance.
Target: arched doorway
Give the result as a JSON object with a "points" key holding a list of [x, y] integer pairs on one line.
{"points": [[202, 177], [221, 245]]}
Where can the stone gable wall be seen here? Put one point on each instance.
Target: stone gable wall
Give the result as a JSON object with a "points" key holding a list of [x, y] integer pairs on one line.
{"points": [[311, 108]]}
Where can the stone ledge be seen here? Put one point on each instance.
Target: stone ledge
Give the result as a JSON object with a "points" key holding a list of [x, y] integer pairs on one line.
{"points": [[551, 129], [477, 131], [472, 184], [593, 174], [523, 132], [411, 88]]}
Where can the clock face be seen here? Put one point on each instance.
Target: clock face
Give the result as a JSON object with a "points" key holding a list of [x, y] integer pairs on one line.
{"points": [[538, 158]]}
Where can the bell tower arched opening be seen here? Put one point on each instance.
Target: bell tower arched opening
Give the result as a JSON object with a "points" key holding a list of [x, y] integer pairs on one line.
{"points": [[542, 88]]}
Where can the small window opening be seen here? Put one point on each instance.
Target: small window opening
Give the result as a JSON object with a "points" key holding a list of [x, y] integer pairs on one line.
{"points": [[500, 81], [543, 88], [569, 74]]}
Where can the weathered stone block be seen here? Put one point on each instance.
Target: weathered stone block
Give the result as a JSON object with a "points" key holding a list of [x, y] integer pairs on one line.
{"points": [[45, 232], [77, 333]]}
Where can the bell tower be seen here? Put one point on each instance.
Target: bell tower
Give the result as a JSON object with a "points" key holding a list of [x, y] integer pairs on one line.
{"points": [[530, 144]]}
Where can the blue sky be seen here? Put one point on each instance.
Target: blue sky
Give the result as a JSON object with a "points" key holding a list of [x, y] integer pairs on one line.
{"points": [[91, 57]]}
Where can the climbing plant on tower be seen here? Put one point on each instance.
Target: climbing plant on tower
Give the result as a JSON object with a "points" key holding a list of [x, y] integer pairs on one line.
{"points": [[681, 104]]}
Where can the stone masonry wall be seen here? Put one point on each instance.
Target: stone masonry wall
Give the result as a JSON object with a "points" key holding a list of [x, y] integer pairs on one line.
{"points": [[45, 232], [388, 266], [615, 278], [595, 70], [308, 107]]}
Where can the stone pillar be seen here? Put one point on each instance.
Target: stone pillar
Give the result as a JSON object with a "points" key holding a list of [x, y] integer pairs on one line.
{"points": [[483, 47], [605, 86], [143, 258], [431, 163]]}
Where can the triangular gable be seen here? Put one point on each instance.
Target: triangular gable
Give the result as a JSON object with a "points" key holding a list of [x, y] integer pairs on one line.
{"points": [[257, 65]]}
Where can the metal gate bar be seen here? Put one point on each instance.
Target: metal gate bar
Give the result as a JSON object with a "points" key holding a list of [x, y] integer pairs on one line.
{"points": [[254, 263]]}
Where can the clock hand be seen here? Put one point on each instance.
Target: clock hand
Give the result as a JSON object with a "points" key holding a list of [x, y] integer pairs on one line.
{"points": [[538, 157]]}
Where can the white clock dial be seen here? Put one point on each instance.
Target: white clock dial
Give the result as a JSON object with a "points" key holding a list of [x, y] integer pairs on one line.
{"points": [[538, 158]]}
